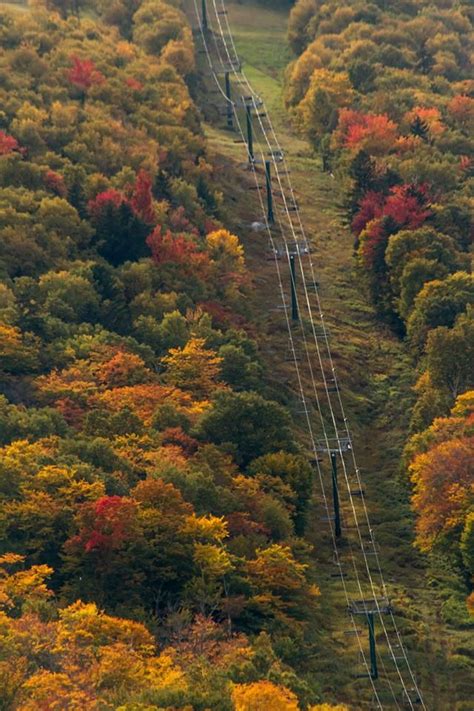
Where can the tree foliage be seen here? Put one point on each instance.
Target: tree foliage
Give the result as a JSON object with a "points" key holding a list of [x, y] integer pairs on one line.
{"points": [[131, 387], [440, 462]]}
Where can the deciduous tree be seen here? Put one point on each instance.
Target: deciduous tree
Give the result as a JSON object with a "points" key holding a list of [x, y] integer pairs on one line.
{"points": [[84, 75], [193, 367], [248, 422], [438, 304], [263, 695], [443, 479]]}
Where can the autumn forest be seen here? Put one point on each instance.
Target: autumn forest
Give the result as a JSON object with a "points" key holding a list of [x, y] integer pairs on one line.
{"points": [[169, 433]]}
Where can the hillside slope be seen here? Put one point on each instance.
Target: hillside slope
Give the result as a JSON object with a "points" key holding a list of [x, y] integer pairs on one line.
{"points": [[376, 375]]}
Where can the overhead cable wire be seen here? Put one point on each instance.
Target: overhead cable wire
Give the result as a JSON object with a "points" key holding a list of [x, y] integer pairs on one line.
{"points": [[357, 632], [353, 560], [223, 13], [232, 64]]}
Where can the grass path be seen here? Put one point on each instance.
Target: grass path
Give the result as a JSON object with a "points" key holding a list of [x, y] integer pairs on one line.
{"points": [[377, 378]]}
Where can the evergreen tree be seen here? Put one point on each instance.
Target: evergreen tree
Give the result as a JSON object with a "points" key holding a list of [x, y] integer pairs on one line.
{"points": [[425, 60], [75, 177], [114, 311], [362, 76], [120, 234], [362, 172], [420, 128]]}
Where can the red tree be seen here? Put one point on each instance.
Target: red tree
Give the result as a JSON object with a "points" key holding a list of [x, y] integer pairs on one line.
{"points": [[375, 243], [375, 133], [176, 249], [370, 208], [142, 198], [176, 436], [105, 524], [407, 205], [8, 144], [133, 84], [55, 182], [99, 204], [83, 74], [180, 223]]}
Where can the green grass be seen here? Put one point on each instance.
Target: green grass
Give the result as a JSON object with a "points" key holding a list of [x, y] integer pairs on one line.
{"points": [[260, 46]]}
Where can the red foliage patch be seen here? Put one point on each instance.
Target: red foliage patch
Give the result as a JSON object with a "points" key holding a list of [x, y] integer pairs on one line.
{"points": [[407, 205], [180, 223], [375, 241], [223, 315], [179, 249], [465, 164], [133, 84], [8, 144], [239, 523], [370, 207], [71, 411], [175, 435], [142, 198], [108, 522], [84, 74], [55, 182], [355, 128], [99, 204]]}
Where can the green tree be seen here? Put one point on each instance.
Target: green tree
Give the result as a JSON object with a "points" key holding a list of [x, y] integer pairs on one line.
{"points": [[247, 422], [69, 297], [238, 369], [298, 27], [415, 274], [119, 234], [450, 356], [66, 7], [18, 351], [467, 543], [362, 75], [155, 24], [295, 471], [438, 304], [425, 243], [363, 172]]}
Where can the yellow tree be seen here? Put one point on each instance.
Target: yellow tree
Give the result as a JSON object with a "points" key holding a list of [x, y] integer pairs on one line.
{"points": [[24, 588], [443, 478], [281, 588], [318, 112], [80, 660], [263, 696], [194, 368], [226, 249]]}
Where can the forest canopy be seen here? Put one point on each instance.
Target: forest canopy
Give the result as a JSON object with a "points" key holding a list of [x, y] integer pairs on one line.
{"points": [[151, 533]]}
